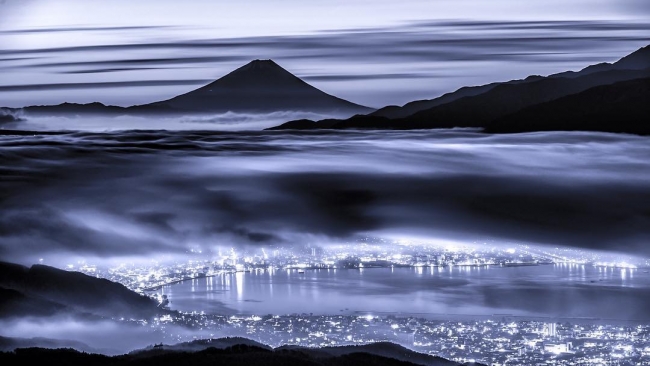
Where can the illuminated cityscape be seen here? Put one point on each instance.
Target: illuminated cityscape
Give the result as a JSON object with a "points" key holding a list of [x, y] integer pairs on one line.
{"points": [[365, 253], [497, 339]]}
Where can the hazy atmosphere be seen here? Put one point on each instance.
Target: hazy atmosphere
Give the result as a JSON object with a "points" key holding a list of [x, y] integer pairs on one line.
{"points": [[154, 194], [325, 183]]}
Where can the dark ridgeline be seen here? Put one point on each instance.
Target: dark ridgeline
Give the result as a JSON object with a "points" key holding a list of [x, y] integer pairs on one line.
{"points": [[638, 60], [261, 86], [71, 109], [8, 344], [382, 349], [44, 291], [480, 107], [236, 355]]}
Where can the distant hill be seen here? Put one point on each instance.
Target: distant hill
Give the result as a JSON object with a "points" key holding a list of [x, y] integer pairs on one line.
{"points": [[9, 344], [75, 108], [202, 344], [244, 355], [43, 290], [261, 86], [620, 107], [495, 102]]}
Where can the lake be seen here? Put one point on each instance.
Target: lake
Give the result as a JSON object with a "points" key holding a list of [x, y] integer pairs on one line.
{"points": [[561, 290]]}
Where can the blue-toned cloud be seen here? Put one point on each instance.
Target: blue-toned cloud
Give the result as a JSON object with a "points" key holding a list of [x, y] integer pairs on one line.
{"points": [[144, 194], [391, 64]]}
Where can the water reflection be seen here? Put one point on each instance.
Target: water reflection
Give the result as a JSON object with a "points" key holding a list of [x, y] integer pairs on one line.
{"points": [[545, 290], [239, 282]]}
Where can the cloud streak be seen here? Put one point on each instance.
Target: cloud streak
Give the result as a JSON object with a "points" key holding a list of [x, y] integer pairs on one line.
{"points": [[145, 61], [381, 55], [99, 85], [144, 194], [81, 29]]}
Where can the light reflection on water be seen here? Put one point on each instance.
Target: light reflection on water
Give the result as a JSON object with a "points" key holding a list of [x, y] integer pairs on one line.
{"points": [[547, 290]]}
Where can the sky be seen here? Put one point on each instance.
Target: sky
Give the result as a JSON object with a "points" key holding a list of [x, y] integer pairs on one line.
{"points": [[374, 53]]}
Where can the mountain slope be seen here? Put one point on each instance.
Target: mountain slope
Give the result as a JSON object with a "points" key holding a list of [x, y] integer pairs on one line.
{"points": [[396, 112], [260, 86], [58, 290], [480, 110], [14, 303], [620, 107], [637, 60]]}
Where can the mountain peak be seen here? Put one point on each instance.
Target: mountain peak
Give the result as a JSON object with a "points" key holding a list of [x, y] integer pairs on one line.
{"points": [[262, 64], [262, 86], [258, 71]]}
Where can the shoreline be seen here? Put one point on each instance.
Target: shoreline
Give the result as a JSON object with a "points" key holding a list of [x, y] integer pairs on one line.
{"points": [[507, 265]]}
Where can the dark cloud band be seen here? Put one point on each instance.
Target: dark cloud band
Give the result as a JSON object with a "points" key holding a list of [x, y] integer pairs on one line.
{"points": [[144, 192], [99, 85]]}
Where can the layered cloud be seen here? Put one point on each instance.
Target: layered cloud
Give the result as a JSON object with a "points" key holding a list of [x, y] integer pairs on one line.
{"points": [[365, 65], [151, 194]]}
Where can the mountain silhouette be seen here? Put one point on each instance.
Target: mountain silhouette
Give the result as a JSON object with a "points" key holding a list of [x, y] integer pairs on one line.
{"points": [[8, 344], [42, 290], [260, 86], [491, 103], [14, 304], [622, 107], [203, 344], [382, 349], [236, 355], [638, 60], [482, 109]]}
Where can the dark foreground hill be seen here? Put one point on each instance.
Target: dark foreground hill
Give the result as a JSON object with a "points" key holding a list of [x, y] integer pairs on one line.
{"points": [[238, 355], [8, 344], [383, 349], [43, 290]]}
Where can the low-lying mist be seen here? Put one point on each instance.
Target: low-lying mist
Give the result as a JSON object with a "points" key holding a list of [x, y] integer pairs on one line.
{"points": [[103, 336], [229, 121], [149, 194]]}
